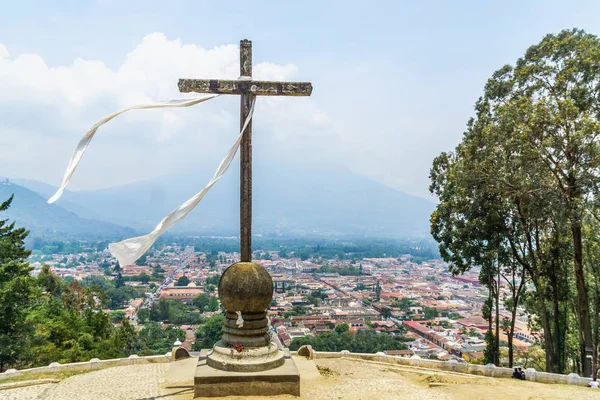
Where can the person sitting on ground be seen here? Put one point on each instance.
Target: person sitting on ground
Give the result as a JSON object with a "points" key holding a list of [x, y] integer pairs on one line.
{"points": [[594, 382], [516, 374], [522, 374]]}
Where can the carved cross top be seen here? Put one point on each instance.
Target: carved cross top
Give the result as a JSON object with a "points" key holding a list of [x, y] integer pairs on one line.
{"points": [[247, 88]]}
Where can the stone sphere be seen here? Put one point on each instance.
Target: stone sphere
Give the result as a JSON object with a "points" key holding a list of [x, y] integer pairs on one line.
{"points": [[246, 287]]}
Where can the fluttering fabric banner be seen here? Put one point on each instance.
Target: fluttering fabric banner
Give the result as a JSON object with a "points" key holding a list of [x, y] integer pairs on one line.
{"points": [[89, 135], [129, 250]]}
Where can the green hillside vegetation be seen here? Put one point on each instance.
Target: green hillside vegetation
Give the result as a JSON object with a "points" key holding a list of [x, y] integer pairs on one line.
{"points": [[363, 341], [46, 319], [309, 248]]}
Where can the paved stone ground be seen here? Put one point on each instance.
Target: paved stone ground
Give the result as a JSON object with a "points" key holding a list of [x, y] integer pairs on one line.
{"points": [[25, 393], [339, 379], [139, 382]]}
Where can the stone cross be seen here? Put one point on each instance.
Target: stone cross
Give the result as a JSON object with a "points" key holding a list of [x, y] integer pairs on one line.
{"points": [[247, 89]]}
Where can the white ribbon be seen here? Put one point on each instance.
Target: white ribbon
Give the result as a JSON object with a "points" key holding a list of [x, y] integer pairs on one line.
{"points": [[240, 320], [87, 138], [129, 250]]}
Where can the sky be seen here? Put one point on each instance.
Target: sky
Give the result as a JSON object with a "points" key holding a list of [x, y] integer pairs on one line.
{"points": [[394, 81]]}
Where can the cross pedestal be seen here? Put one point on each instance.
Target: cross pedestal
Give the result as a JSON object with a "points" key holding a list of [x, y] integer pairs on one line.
{"points": [[245, 290], [246, 361], [212, 382]]}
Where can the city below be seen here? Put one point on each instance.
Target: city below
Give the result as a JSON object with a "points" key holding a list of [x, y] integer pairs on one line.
{"points": [[431, 313]]}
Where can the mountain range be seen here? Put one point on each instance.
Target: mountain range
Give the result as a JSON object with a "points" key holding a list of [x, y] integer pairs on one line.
{"points": [[288, 198], [30, 210]]}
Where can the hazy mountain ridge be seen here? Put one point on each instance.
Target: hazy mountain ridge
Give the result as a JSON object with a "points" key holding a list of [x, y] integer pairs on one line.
{"points": [[288, 198], [30, 210]]}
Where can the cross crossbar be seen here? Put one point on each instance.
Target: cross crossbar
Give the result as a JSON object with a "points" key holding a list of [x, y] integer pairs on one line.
{"points": [[256, 88], [247, 89]]}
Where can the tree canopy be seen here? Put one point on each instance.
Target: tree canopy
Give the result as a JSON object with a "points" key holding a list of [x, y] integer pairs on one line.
{"points": [[17, 288], [363, 341], [517, 193], [183, 281]]}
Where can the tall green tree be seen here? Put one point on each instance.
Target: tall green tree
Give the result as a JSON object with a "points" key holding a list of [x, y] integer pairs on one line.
{"points": [[555, 86], [202, 301], [213, 304], [143, 315], [209, 333], [592, 255], [125, 340], [154, 340], [514, 275], [362, 341], [183, 281], [17, 290], [469, 222], [48, 281], [527, 170]]}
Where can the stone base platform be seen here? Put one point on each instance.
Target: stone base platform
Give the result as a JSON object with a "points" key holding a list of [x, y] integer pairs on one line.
{"points": [[211, 382]]}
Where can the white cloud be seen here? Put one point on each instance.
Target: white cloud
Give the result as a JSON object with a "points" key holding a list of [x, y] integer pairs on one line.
{"points": [[3, 51], [47, 109], [369, 117]]}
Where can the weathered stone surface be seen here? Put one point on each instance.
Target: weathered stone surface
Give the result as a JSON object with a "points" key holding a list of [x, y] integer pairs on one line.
{"points": [[210, 382], [180, 353], [246, 287], [357, 380], [572, 378], [255, 316], [246, 332], [248, 323], [252, 359], [230, 340], [256, 88], [307, 351], [246, 104], [245, 290]]}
